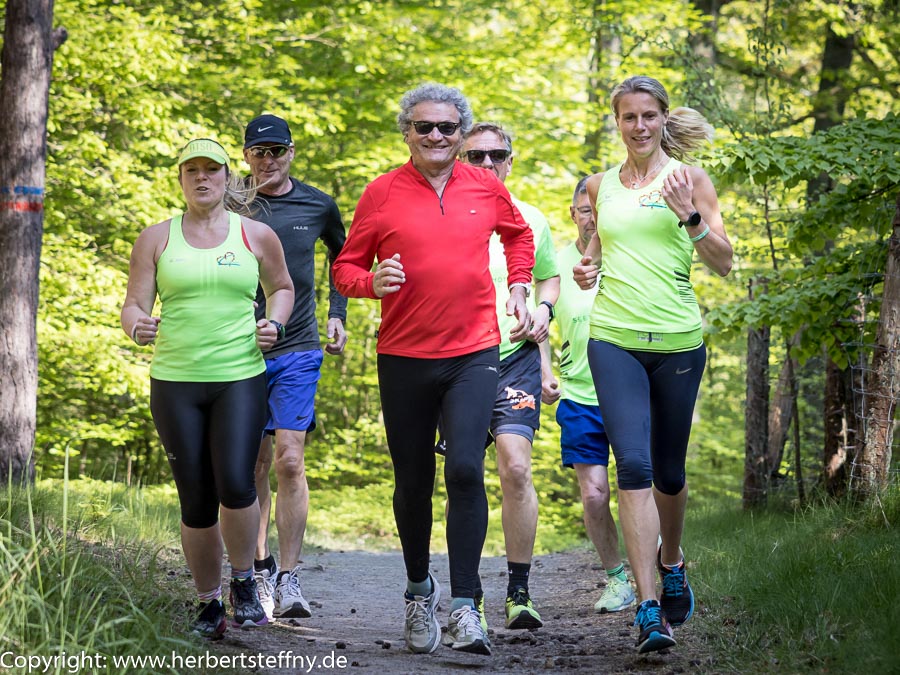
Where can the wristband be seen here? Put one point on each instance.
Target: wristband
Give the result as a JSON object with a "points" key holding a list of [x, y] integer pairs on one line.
{"points": [[701, 235], [549, 307]]}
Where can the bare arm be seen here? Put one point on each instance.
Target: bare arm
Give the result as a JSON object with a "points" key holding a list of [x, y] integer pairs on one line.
{"points": [[690, 189], [135, 317], [587, 271], [545, 290], [549, 384]]}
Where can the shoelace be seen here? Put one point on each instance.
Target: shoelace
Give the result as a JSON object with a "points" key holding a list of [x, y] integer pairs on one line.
{"points": [[673, 581], [647, 615], [520, 597], [467, 620], [293, 583], [417, 613], [245, 590]]}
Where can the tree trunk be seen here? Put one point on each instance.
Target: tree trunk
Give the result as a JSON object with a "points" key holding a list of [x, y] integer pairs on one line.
{"points": [[874, 460], [756, 471], [606, 47], [781, 411], [25, 66]]}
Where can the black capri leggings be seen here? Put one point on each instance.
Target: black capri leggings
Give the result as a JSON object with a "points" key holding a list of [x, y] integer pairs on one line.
{"points": [[461, 391], [211, 432], [647, 402]]}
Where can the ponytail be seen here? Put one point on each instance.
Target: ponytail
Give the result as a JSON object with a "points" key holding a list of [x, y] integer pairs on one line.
{"points": [[685, 131]]}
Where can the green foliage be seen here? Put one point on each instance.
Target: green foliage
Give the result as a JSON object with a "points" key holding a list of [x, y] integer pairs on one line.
{"points": [[809, 591], [64, 594]]}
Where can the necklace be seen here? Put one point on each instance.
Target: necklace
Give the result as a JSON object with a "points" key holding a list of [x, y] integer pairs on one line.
{"points": [[636, 180]]}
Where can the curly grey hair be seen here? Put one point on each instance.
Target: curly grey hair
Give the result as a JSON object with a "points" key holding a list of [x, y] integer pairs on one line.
{"points": [[435, 93]]}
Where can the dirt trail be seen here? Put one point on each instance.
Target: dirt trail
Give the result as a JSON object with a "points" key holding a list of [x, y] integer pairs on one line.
{"points": [[358, 608]]}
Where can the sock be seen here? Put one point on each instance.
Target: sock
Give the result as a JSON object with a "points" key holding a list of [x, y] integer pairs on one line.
{"points": [[618, 572], [267, 564], [241, 575], [461, 602], [420, 588], [209, 596], [518, 577]]}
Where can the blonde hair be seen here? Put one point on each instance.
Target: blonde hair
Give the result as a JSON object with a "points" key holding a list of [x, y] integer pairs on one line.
{"points": [[239, 194], [685, 131]]}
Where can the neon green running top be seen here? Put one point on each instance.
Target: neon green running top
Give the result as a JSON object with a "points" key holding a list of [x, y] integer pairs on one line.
{"points": [[207, 331], [544, 268], [573, 313], [645, 300]]}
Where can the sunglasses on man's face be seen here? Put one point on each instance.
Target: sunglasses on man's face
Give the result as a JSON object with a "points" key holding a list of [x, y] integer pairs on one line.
{"points": [[477, 156], [446, 128], [275, 151]]}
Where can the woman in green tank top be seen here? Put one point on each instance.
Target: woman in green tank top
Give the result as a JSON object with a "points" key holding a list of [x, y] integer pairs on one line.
{"points": [[207, 386], [646, 350]]}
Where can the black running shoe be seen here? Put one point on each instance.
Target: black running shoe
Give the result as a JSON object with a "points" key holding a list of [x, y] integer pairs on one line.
{"points": [[248, 611], [656, 633], [210, 624], [677, 598]]}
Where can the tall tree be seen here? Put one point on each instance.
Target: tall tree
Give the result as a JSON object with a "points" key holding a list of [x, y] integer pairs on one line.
{"points": [[25, 66]]}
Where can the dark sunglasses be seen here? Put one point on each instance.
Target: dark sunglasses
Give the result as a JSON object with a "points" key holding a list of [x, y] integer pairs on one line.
{"points": [[477, 156], [275, 151], [446, 128]]}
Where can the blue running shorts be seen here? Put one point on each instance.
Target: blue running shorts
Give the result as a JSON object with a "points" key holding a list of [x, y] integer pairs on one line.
{"points": [[292, 382]]}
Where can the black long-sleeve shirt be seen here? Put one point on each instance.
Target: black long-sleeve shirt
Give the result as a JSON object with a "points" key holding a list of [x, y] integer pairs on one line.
{"points": [[299, 218]]}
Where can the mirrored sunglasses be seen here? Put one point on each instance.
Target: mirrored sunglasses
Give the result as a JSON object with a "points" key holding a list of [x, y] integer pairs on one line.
{"points": [[446, 128], [275, 151], [477, 156]]}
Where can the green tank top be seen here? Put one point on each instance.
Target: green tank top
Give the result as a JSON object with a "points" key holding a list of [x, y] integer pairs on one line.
{"points": [[207, 330], [573, 313], [645, 299]]}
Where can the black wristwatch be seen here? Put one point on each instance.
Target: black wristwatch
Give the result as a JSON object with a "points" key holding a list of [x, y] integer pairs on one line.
{"points": [[693, 220], [279, 328], [550, 307]]}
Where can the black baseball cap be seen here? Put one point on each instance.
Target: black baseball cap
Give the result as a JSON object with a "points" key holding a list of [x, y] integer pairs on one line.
{"points": [[267, 129]]}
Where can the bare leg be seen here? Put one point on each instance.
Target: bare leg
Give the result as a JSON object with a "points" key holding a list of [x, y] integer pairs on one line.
{"points": [[598, 520], [203, 550], [671, 510], [239, 530], [520, 507], [264, 495], [292, 504], [640, 528]]}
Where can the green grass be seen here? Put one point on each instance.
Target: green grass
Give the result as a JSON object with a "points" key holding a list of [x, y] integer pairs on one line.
{"points": [[75, 558], [811, 591]]}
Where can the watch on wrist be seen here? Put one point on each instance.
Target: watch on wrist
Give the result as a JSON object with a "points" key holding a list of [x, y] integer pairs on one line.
{"points": [[692, 220], [279, 328], [525, 287], [549, 307]]}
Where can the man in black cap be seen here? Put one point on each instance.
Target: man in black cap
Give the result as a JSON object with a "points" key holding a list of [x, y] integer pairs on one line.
{"points": [[300, 215]]}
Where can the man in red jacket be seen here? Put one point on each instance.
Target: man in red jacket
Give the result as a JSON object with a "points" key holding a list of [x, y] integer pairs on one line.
{"points": [[428, 224]]}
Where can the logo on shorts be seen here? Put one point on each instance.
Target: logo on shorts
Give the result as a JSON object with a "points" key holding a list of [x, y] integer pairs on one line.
{"points": [[519, 399]]}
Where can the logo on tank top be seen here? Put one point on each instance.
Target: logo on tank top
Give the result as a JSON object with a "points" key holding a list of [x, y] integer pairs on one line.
{"points": [[652, 200], [519, 399], [227, 259]]}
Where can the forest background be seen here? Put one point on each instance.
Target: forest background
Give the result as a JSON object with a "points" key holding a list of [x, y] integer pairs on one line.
{"points": [[805, 100], [803, 96]]}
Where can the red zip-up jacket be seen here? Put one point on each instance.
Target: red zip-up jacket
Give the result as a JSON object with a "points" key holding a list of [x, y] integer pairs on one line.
{"points": [[446, 306]]}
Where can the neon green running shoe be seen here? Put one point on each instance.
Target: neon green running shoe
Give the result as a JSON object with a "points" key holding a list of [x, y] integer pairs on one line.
{"points": [[479, 605], [617, 595], [520, 612]]}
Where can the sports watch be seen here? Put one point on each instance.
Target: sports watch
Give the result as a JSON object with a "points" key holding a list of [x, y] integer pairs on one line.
{"points": [[279, 329], [692, 220]]}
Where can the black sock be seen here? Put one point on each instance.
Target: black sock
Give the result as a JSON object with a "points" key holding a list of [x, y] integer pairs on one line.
{"points": [[267, 564], [518, 577]]}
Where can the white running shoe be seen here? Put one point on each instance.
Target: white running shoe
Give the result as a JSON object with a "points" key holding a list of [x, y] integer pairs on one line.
{"points": [[289, 601], [265, 584], [422, 630], [465, 632], [617, 595]]}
